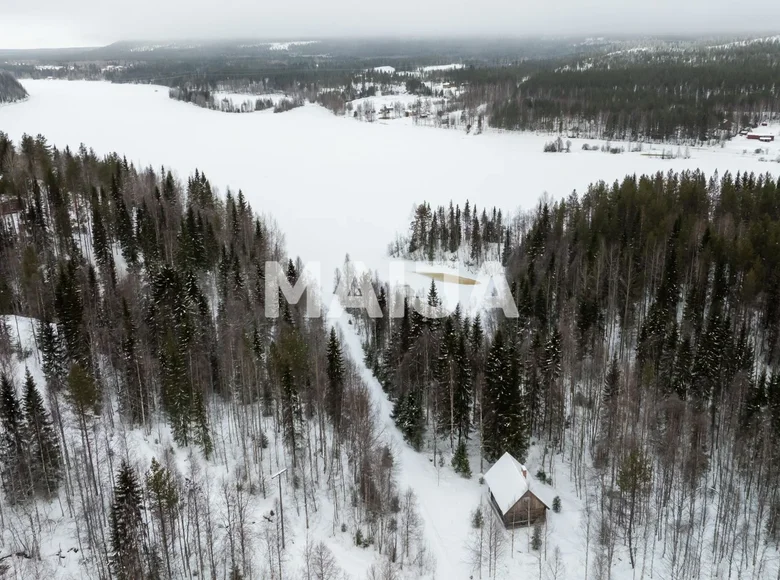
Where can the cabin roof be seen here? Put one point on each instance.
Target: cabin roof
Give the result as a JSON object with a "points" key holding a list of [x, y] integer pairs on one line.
{"points": [[507, 482]]}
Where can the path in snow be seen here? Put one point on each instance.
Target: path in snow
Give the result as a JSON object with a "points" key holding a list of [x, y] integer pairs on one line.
{"points": [[445, 499]]}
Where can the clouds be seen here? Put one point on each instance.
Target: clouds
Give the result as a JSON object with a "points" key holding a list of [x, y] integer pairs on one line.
{"points": [[48, 23]]}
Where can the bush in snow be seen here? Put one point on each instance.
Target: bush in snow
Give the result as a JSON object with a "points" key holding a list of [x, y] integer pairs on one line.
{"points": [[541, 476], [556, 506], [536, 539], [288, 104], [477, 519], [460, 461]]}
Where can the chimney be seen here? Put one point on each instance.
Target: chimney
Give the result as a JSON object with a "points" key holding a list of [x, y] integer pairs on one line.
{"points": [[525, 472]]}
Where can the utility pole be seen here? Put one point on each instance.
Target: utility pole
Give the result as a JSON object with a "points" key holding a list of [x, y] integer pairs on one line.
{"points": [[281, 507]]}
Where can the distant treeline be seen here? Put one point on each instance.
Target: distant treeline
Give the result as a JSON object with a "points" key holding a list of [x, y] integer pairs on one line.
{"points": [[206, 99], [657, 98]]}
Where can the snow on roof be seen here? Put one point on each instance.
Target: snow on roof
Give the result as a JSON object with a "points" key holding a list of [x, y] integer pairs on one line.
{"points": [[507, 482]]}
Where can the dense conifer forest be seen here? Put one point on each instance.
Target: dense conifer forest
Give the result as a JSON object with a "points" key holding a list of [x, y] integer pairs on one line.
{"points": [[694, 95], [646, 354], [158, 400]]}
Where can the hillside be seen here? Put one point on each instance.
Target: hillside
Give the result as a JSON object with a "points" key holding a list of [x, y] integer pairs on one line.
{"points": [[641, 375], [10, 89], [154, 422]]}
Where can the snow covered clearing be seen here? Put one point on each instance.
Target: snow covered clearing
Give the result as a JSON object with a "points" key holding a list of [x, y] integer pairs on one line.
{"points": [[442, 67], [447, 500]]}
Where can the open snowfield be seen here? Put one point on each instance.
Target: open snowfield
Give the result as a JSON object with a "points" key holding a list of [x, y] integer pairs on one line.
{"points": [[334, 186], [340, 187]]}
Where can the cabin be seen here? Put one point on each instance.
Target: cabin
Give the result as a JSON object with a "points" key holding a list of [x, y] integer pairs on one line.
{"points": [[766, 138], [514, 494], [385, 112], [11, 206]]}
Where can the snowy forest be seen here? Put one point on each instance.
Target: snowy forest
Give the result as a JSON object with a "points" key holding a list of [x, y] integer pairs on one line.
{"points": [[645, 357], [149, 409], [647, 95], [154, 423]]}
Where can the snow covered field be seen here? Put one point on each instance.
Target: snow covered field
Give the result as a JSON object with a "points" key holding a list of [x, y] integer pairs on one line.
{"points": [[338, 187]]}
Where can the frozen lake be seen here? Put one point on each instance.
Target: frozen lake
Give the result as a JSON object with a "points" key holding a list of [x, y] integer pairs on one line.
{"points": [[334, 185]]}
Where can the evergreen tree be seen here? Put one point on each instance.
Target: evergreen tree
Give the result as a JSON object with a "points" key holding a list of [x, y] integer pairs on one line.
{"points": [[507, 251], [476, 241], [463, 390], [409, 417], [335, 378], [100, 244], [134, 398], [14, 453], [434, 303], [460, 460], [43, 445], [127, 527], [163, 496], [200, 423], [504, 428], [52, 353], [612, 382]]}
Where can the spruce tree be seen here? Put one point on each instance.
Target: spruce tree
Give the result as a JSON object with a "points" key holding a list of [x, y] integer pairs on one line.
{"points": [[14, 452], [127, 527], [409, 417], [53, 355], [612, 381], [134, 398], [476, 242], [434, 304], [163, 495], [335, 378], [507, 251], [200, 425], [504, 426], [460, 460], [463, 390], [44, 447], [100, 243]]}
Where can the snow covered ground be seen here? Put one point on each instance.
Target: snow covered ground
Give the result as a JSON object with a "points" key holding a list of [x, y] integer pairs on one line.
{"points": [[338, 187], [441, 67]]}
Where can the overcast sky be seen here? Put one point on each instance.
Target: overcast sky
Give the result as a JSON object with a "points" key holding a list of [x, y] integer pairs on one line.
{"points": [[66, 23]]}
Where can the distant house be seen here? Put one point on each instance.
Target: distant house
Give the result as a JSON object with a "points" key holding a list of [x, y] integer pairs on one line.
{"points": [[514, 495], [11, 206], [761, 137], [385, 112]]}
